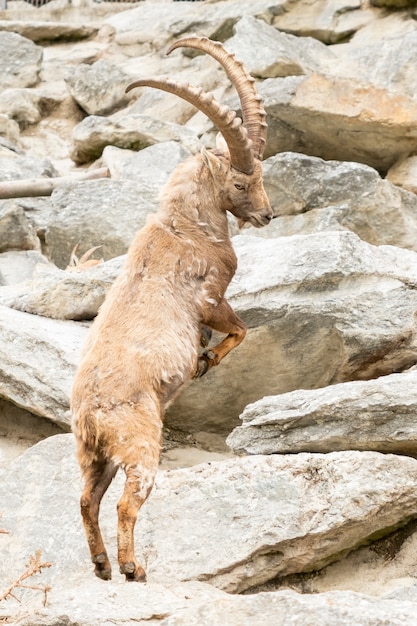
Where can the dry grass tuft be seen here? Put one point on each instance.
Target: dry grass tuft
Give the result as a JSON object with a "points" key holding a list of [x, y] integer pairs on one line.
{"points": [[33, 566]]}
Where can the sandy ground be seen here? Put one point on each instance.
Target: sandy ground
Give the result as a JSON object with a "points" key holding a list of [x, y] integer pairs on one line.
{"points": [[19, 430]]}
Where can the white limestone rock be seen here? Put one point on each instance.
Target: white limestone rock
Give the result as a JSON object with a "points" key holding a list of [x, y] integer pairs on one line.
{"points": [[21, 61], [321, 309], [360, 415], [233, 524], [60, 294], [38, 361], [310, 195]]}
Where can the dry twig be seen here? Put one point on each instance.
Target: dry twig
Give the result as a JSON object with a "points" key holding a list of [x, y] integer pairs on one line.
{"points": [[34, 566]]}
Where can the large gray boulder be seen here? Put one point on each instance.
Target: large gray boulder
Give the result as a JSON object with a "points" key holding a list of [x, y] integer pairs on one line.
{"points": [[99, 88], [321, 309], [360, 415], [103, 212], [326, 20], [38, 360], [132, 131], [309, 194], [21, 61], [108, 213], [339, 118], [61, 294], [280, 54], [153, 25], [233, 524], [389, 63]]}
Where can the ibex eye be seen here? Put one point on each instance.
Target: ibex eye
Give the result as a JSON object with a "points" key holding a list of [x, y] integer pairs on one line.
{"points": [[240, 187]]}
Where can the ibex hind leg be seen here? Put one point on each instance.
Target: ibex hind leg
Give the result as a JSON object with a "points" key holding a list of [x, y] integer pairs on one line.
{"points": [[97, 476], [139, 482], [137, 449]]}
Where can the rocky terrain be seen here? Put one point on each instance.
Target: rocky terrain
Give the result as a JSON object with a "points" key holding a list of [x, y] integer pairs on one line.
{"points": [[287, 492]]}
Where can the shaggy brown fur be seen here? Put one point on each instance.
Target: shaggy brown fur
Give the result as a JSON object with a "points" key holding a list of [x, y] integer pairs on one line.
{"points": [[144, 343]]}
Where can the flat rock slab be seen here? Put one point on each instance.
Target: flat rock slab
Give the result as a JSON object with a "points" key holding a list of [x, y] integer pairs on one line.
{"points": [[151, 22], [39, 31], [132, 131], [360, 415], [234, 524], [286, 608], [69, 602], [197, 604]]}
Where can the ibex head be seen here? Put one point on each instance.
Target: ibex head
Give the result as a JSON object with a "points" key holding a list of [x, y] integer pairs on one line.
{"points": [[237, 165]]}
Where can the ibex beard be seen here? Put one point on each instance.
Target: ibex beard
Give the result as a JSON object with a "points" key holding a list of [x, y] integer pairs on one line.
{"points": [[145, 342]]}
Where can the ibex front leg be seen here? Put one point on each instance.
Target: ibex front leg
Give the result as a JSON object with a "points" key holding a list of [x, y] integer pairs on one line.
{"points": [[223, 319]]}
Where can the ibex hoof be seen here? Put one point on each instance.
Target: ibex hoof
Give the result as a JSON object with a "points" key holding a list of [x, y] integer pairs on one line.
{"points": [[204, 363], [102, 566], [202, 367], [103, 573], [133, 572]]}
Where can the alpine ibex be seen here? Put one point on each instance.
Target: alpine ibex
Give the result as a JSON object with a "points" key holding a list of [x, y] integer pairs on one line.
{"points": [[144, 344]]}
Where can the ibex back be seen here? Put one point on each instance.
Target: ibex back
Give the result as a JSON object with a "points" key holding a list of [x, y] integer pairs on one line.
{"points": [[144, 344]]}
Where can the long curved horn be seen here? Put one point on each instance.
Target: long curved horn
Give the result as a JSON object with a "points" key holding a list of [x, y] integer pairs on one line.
{"points": [[234, 133], [253, 112]]}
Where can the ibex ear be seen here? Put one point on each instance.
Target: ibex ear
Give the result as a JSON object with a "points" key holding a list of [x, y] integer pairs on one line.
{"points": [[213, 163], [221, 144]]}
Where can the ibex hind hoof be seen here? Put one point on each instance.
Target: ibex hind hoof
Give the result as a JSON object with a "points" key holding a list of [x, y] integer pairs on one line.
{"points": [[133, 572], [102, 566], [202, 367], [103, 573]]}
